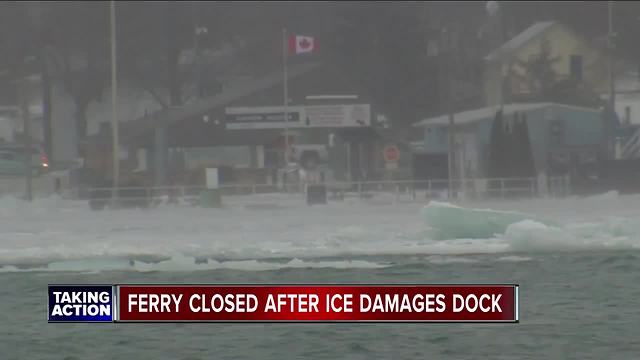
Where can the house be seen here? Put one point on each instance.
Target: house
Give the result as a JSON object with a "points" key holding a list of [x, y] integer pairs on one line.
{"points": [[511, 75], [510, 72], [562, 137], [12, 120]]}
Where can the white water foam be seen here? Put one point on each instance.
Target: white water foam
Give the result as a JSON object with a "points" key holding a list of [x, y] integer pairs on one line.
{"points": [[66, 236], [531, 236], [514, 258], [181, 263], [526, 233], [442, 260]]}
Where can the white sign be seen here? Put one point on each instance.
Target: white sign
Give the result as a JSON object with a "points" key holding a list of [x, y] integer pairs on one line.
{"points": [[316, 116], [212, 178], [337, 115]]}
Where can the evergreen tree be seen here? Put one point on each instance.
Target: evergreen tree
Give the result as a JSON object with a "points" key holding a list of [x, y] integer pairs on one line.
{"points": [[496, 147], [522, 155], [545, 85], [510, 154]]}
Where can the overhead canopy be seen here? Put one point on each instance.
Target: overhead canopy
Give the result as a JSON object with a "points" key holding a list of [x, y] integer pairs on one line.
{"points": [[471, 116]]}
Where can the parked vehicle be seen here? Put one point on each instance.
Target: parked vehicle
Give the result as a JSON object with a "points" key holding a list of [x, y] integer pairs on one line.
{"points": [[12, 160]]}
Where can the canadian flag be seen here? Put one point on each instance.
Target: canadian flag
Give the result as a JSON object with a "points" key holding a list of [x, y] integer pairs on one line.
{"points": [[299, 44]]}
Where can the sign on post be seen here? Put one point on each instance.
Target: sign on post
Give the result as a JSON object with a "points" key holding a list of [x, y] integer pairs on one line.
{"points": [[212, 178], [300, 116], [391, 155]]}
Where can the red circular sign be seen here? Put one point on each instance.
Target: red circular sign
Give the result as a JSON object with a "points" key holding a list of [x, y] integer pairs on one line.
{"points": [[391, 153]]}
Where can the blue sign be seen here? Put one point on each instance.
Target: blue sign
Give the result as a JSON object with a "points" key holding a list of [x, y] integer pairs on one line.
{"points": [[81, 303]]}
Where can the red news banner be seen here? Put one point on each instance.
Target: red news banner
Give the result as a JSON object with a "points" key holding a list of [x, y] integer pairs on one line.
{"points": [[321, 303]]}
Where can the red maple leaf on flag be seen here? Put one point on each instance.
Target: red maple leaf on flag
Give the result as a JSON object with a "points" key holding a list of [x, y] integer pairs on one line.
{"points": [[304, 44], [299, 44]]}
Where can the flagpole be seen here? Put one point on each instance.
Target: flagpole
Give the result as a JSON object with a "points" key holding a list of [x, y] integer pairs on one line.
{"points": [[286, 96]]}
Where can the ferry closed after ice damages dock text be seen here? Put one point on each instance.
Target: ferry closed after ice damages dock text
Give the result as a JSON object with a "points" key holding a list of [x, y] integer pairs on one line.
{"points": [[297, 303], [303, 303]]}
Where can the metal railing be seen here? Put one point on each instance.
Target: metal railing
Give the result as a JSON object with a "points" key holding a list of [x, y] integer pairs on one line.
{"points": [[409, 189]]}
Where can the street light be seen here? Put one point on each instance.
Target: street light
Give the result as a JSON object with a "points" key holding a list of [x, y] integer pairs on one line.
{"points": [[495, 18]]}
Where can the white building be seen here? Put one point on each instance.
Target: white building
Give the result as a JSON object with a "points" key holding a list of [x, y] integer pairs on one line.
{"points": [[627, 105]]}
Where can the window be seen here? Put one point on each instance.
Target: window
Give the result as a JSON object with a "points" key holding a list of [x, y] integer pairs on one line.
{"points": [[627, 115], [575, 67]]}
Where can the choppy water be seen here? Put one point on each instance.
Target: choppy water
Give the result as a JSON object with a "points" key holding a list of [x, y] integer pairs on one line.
{"points": [[579, 278], [573, 306]]}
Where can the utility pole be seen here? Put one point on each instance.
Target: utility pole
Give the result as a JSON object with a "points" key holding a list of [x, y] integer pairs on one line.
{"points": [[449, 94], [285, 80], [46, 104], [610, 37], [504, 78], [27, 140], [114, 105], [612, 84], [199, 30], [497, 32]]}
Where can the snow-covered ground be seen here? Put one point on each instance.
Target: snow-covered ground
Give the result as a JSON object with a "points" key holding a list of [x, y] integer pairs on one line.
{"points": [[261, 232]]}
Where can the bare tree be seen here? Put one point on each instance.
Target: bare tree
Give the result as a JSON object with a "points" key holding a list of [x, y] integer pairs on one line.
{"points": [[78, 54]]}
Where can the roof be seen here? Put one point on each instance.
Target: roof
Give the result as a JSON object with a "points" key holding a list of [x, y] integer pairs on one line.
{"points": [[521, 39], [176, 114], [471, 116], [628, 82], [224, 137]]}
